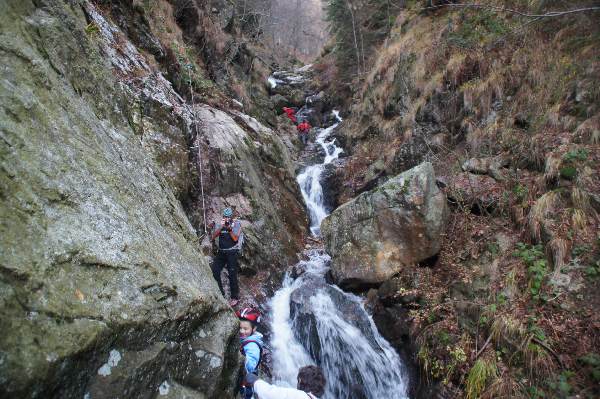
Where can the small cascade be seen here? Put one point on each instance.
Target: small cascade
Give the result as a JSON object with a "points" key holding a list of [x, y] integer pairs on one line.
{"points": [[355, 358], [310, 178], [317, 323]]}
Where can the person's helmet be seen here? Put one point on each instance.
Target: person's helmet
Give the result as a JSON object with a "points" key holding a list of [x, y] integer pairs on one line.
{"points": [[228, 212], [249, 314]]}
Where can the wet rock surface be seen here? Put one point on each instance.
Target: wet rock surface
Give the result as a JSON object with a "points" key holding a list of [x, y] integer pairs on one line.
{"points": [[331, 181], [249, 168], [304, 315], [394, 226]]}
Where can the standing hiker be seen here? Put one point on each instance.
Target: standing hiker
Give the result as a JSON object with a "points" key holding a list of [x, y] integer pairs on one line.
{"points": [[229, 232], [303, 131]]}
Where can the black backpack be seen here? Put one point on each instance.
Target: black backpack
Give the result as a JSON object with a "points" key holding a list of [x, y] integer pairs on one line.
{"points": [[264, 358]]}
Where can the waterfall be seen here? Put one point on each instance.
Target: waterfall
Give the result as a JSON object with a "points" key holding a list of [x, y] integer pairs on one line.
{"points": [[310, 178], [357, 361]]}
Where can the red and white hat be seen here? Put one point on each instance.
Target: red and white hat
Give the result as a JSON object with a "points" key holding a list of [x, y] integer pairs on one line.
{"points": [[249, 314]]}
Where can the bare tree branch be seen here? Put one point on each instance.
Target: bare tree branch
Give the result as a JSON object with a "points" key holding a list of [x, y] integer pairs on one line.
{"points": [[509, 10]]}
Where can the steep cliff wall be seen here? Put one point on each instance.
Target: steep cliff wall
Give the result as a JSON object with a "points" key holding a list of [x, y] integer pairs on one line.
{"points": [[105, 292]]}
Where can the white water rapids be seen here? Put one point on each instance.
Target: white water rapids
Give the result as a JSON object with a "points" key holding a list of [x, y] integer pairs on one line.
{"points": [[309, 179], [357, 364]]}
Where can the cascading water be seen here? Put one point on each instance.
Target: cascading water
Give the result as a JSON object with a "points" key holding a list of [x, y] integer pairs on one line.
{"points": [[310, 179], [355, 358]]}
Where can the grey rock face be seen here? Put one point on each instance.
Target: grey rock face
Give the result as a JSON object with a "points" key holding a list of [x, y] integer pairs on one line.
{"points": [[490, 165], [250, 170], [279, 102], [102, 287], [396, 225], [474, 190]]}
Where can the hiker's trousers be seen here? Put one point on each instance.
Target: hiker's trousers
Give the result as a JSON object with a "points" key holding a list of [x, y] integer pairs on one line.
{"points": [[229, 258], [303, 138]]}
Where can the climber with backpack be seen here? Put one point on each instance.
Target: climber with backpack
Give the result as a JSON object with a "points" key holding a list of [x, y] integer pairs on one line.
{"points": [[231, 238], [251, 345], [303, 131]]}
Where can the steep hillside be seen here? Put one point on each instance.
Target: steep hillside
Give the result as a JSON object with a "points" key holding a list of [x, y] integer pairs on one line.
{"points": [[507, 108]]}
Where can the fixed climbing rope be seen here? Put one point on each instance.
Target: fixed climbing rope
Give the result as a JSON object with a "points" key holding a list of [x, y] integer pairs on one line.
{"points": [[200, 162]]}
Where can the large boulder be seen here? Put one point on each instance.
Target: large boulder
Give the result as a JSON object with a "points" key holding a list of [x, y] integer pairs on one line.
{"points": [[396, 225], [103, 291]]}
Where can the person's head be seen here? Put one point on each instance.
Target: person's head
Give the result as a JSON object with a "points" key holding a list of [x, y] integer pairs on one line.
{"points": [[228, 213], [247, 328], [311, 379], [249, 319]]}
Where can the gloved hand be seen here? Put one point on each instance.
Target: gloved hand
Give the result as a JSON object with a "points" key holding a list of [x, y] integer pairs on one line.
{"points": [[251, 378]]}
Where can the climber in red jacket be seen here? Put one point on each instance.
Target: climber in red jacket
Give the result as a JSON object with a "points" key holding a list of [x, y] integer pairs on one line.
{"points": [[291, 113], [303, 131]]}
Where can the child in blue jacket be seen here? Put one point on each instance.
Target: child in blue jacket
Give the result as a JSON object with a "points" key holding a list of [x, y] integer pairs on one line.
{"points": [[251, 344]]}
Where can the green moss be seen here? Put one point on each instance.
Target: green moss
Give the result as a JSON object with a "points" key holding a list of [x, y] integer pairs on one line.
{"points": [[190, 72], [92, 29], [568, 172], [478, 28], [576, 155], [537, 267]]}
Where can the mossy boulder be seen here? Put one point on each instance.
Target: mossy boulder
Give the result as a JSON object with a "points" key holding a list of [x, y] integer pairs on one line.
{"points": [[397, 225]]}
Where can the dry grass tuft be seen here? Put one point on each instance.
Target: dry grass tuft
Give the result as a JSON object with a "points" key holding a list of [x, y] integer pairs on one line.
{"points": [[580, 198], [552, 168], [538, 361], [541, 209], [589, 131], [508, 332], [579, 221], [505, 387], [558, 250], [455, 69]]}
